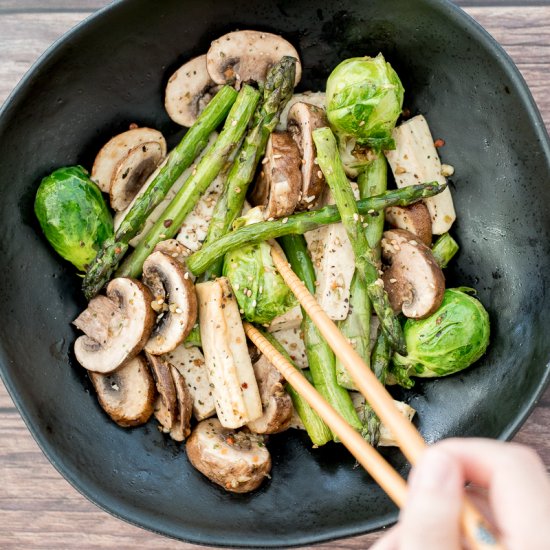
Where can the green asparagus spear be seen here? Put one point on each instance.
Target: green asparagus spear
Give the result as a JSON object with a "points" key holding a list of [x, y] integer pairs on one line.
{"points": [[373, 181], [208, 168], [298, 224], [180, 158], [380, 360], [317, 430], [279, 85], [320, 356], [365, 261], [444, 249]]}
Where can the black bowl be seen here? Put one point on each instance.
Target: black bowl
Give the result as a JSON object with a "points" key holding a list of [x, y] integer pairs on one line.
{"points": [[111, 71]]}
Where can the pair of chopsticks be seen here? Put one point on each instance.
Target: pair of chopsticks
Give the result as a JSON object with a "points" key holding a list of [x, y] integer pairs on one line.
{"points": [[476, 530]]}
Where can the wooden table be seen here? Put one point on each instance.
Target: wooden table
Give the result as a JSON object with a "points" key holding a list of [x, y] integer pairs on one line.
{"points": [[38, 508]]}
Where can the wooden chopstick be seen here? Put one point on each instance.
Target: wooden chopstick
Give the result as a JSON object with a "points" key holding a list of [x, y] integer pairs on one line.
{"points": [[381, 470], [476, 529]]}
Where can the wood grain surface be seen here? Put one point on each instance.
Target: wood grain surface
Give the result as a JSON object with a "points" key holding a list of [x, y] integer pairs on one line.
{"points": [[38, 508]]}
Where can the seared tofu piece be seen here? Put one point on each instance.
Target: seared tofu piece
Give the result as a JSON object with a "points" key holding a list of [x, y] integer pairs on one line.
{"points": [[190, 363], [228, 364], [415, 160], [291, 339], [334, 263], [290, 320]]}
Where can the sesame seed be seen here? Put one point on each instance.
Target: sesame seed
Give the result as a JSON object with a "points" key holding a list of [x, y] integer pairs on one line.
{"points": [[234, 122], [356, 217], [186, 275], [277, 157], [319, 174], [392, 281], [362, 123], [285, 220], [265, 160]]}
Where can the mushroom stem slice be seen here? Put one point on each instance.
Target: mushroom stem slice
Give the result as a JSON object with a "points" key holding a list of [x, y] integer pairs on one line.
{"points": [[184, 405], [279, 186], [174, 300], [245, 56], [228, 364], [125, 340], [128, 394], [132, 172], [414, 218], [166, 405], [414, 282], [303, 118], [277, 405], [236, 460], [117, 148], [188, 91]]}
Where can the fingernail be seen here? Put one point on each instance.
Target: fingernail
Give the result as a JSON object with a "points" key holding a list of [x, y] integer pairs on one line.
{"points": [[436, 470]]}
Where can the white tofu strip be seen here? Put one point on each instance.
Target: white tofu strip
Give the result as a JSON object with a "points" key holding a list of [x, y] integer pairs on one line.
{"points": [[228, 363], [291, 340], [415, 160], [334, 264], [191, 365], [194, 228], [386, 437], [289, 320]]}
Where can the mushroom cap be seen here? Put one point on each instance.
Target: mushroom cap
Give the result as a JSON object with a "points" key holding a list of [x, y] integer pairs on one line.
{"points": [[174, 298], [188, 91], [126, 340], [414, 218], [132, 172], [235, 459], [244, 56], [118, 148], [279, 185], [276, 403], [414, 282], [127, 395], [303, 118], [166, 405]]}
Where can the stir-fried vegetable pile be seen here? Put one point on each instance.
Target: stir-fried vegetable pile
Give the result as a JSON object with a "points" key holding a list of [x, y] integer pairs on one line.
{"points": [[188, 259]]}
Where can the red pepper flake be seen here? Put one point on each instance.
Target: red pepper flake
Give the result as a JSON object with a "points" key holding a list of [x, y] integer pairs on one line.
{"points": [[406, 113], [439, 143], [168, 223], [118, 250], [133, 126], [244, 385], [229, 440]]}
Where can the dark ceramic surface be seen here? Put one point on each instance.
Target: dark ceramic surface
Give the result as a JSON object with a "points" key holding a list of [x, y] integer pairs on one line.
{"points": [[111, 71]]}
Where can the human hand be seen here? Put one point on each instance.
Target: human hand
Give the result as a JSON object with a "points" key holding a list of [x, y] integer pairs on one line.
{"points": [[511, 487]]}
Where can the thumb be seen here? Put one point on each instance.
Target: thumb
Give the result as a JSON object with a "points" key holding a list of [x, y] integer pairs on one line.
{"points": [[431, 517]]}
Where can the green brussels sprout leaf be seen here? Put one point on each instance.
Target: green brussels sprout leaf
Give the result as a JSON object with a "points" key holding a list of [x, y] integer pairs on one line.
{"points": [[448, 341], [73, 215]]}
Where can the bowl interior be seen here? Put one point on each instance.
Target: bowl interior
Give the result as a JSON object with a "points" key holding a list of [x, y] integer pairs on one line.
{"points": [[111, 72]]}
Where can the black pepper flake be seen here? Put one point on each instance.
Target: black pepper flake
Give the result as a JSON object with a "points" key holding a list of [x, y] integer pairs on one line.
{"points": [[167, 223]]}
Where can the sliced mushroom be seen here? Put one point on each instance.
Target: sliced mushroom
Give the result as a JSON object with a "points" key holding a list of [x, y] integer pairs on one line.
{"points": [[166, 405], [236, 460], [414, 218], [123, 340], [132, 172], [319, 99], [244, 56], [303, 118], [100, 319], [174, 300], [276, 403], [188, 91], [279, 186], [118, 148], [184, 407], [414, 282], [128, 394]]}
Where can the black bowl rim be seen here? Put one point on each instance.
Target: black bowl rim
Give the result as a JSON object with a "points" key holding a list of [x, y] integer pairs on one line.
{"points": [[457, 15]]}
